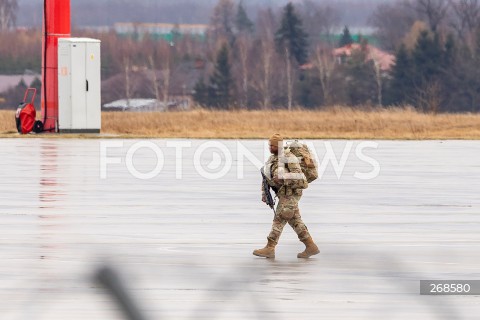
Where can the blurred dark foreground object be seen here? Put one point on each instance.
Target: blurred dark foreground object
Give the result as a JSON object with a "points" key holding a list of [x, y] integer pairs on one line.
{"points": [[110, 279]]}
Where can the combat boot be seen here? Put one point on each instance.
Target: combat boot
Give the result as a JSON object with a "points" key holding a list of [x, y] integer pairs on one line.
{"points": [[310, 249], [268, 251]]}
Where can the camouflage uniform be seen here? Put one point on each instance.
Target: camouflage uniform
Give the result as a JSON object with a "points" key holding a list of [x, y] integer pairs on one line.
{"points": [[289, 194]]}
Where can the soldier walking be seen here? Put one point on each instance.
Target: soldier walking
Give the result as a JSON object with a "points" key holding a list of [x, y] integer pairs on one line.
{"points": [[289, 191]]}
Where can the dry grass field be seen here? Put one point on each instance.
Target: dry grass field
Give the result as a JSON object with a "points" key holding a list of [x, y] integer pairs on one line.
{"points": [[332, 123]]}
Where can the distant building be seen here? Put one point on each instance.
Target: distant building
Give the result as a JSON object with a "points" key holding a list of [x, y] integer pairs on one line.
{"points": [[135, 105], [166, 31], [384, 59], [177, 103]]}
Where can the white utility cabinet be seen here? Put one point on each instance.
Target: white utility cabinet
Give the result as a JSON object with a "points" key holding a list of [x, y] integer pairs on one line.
{"points": [[79, 85]]}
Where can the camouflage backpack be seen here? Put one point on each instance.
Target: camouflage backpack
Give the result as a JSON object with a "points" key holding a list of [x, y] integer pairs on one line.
{"points": [[306, 159]]}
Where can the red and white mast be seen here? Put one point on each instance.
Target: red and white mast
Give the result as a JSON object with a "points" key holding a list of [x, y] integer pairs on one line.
{"points": [[56, 24]]}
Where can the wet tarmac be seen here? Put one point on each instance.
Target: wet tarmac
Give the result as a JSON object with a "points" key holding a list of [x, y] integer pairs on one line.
{"points": [[181, 234]]}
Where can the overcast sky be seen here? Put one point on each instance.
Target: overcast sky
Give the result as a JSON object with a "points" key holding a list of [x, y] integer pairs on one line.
{"points": [[107, 12]]}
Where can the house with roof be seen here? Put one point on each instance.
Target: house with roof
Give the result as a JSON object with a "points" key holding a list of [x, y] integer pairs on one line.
{"points": [[383, 59]]}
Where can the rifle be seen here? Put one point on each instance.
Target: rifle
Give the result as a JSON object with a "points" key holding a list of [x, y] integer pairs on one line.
{"points": [[266, 189]]}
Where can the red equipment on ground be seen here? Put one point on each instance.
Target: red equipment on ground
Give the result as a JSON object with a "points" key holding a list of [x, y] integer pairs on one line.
{"points": [[26, 114]]}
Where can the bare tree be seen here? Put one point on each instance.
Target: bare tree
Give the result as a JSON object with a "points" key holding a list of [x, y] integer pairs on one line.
{"points": [[325, 64], [8, 11], [166, 54], [127, 65], [289, 71], [392, 22], [266, 25], [331, 20], [154, 77], [410, 39], [158, 57], [433, 11], [221, 22], [124, 55], [466, 18], [267, 55], [244, 45], [150, 51], [379, 80], [429, 96], [319, 20]]}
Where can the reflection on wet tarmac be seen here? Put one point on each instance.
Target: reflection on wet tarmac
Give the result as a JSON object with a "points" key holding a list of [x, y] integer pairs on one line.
{"points": [[183, 246]]}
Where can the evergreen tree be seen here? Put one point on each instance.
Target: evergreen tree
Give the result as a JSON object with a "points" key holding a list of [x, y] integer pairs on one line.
{"points": [[476, 49], [307, 91], [433, 71], [346, 38], [361, 87], [449, 71], [427, 57], [450, 52], [242, 21], [200, 93], [465, 79], [221, 82], [474, 84], [291, 35], [401, 87]]}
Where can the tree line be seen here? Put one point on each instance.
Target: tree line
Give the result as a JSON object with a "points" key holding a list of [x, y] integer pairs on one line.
{"points": [[283, 58], [286, 59]]}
